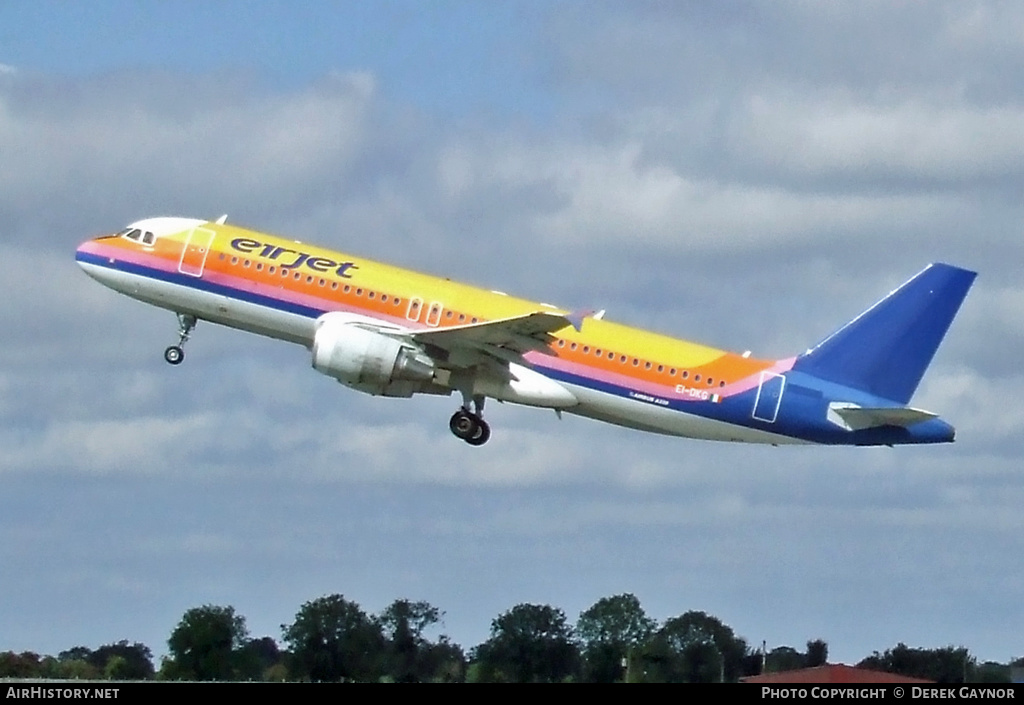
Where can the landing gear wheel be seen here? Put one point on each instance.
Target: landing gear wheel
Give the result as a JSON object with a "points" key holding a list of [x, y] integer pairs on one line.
{"points": [[174, 355], [464, 425], [469, 427], [483, 432]]}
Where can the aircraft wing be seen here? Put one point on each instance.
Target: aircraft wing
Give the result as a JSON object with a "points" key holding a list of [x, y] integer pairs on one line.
{"points": [[517, 335], [855, 418]]}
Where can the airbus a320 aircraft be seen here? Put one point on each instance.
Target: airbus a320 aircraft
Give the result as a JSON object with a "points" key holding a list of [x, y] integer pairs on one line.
{"points": [[392, 332]]}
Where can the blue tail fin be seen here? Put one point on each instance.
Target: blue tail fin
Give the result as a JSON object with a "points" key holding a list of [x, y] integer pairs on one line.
{"points": [[886, 349]]}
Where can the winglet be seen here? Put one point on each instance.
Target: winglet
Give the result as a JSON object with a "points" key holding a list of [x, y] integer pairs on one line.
{"points": [[576, 318]]}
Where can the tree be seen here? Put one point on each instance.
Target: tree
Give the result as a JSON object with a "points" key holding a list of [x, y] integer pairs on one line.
{"points": [[528, 644], [403, 624], [76, 664], [613, 630], [27, 664], [332, 639], [133, 661], [205, 644], [784, 658], [991, 672], [817, 653], [257, 657], [444, 661], [696, 647], [946, 665]]}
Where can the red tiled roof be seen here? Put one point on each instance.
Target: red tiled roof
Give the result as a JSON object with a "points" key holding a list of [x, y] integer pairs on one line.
{"points": [[832, 673]]}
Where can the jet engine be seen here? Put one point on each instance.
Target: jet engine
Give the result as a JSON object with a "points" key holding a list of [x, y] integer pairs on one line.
{"points": [[369, 361]]}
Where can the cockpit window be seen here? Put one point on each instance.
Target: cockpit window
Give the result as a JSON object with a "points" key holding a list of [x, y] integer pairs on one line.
{"points": [[136, 235]]}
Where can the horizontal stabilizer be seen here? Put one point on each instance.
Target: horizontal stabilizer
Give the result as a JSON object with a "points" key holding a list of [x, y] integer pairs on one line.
{"points": [[854, 418], [886, 350]]}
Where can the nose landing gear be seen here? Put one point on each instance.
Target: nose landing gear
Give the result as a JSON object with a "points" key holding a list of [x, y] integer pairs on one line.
{"points": [[175, 354], [470, 425]]}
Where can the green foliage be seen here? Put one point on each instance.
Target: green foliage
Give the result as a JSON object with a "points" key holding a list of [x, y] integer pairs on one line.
{"points": [[27, 664], [403, 623], [817, 653], [332, 639], [444, 662], [133, 661], [206, 644], [991, 672], [77, 670], [782, 659], [695, 648], [613, 631], [119, 661], [946, 665], [410, 656], [278, 673], [529, 644], [257, 657]]}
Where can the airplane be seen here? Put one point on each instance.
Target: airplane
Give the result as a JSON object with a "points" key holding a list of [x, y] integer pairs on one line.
{"points": [[392, 332]]}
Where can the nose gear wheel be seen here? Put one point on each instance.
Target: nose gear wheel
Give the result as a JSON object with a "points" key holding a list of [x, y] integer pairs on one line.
{"points": [[175, 354]]}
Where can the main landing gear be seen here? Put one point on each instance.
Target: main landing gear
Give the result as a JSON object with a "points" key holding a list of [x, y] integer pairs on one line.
{"points": [[176, 353], [470, 425]]}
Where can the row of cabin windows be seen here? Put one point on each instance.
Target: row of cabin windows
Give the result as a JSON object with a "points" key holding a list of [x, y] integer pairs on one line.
{"points": [[433, 317], [637, 362]]}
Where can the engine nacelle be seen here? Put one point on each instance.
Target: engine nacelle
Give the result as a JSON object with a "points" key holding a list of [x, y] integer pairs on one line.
{"points": [[368, 361]]}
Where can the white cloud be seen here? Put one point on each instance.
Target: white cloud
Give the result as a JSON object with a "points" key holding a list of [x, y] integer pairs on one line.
{"points": [[172, 141], [836, 135], [613, 194]]}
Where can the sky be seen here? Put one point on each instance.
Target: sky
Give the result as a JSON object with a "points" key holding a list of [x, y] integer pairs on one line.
{"points": [[750, 175]]}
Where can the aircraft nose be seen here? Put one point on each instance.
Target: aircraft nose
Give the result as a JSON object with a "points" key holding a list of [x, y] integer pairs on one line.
{"points": [[89, 254], [82, 253]]}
